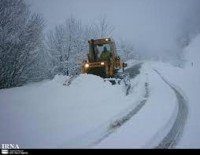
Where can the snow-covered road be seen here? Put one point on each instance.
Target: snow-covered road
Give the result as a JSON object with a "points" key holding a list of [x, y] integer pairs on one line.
{"points": [[166, 137], [174, 135]]}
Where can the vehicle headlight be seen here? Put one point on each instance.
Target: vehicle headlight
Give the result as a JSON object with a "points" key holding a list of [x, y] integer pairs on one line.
{"points": [[87, 65], [102, 63]]}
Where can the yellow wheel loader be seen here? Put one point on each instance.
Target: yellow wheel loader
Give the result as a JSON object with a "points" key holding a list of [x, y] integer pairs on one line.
{"points": [[102, 59]]}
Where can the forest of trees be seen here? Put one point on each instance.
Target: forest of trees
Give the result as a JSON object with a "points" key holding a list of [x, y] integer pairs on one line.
{"points": [[27, 54]]}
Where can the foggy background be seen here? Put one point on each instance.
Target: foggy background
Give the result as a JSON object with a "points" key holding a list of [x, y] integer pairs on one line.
{"points": [[156, 28], [41, 39]]}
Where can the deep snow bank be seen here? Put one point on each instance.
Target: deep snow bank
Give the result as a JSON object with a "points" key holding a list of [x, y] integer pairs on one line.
{"points": [[49, 115]]}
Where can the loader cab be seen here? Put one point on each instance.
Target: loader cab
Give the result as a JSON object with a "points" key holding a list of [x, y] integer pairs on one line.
{"points": [[98, 47]]}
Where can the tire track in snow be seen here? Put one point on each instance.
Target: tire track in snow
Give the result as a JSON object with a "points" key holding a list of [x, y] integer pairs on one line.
{"points": [[174, 135], [126, 117]]}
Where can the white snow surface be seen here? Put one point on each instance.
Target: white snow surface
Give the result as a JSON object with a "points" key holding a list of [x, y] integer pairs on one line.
{"points": [[50, 115], [156, 115]]}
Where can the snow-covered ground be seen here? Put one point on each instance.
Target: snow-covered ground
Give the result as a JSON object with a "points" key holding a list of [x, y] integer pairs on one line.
{"points": [[187, 79], [50, 115], [93, 113]]}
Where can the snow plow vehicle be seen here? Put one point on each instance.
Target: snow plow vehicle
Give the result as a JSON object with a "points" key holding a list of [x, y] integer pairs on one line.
{"points": [[102, 59]]}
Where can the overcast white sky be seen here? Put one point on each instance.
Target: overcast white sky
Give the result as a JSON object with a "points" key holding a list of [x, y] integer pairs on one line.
{"points": [[153, 26]]}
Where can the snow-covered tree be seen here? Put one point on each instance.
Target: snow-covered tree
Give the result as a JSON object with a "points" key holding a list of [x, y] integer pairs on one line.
{"points": [[41, 68], [102, 28], [67, 45], [125, 50], [20, 35]]}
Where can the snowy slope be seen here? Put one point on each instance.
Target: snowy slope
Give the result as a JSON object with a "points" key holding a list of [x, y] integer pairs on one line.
{"points": [[188, 81]]}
